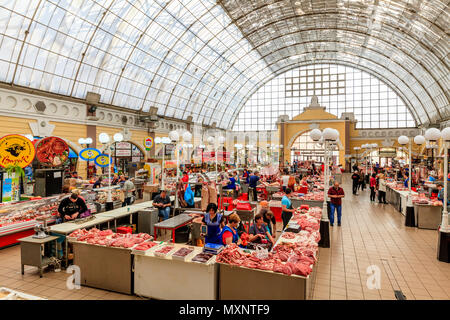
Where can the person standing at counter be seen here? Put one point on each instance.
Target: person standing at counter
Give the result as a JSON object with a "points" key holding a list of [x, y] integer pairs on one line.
{"points": [[115, 179], [355, 179], [71, 207], [259, 231], [406, 176], [163, 203], [98, 183], [229, 233], [382, 189], [213, 222], [287, 209], [252, 181], [128, 189], [285, 180], [336, 193], [373, 186], [269, 220]]}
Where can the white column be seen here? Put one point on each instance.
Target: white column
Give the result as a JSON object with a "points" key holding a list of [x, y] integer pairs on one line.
{"points": [[325, 183], [162, 169], [444, 224], [109, 174]]}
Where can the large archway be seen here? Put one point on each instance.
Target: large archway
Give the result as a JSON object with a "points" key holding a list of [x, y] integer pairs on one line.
{"points": [[303, 148]]}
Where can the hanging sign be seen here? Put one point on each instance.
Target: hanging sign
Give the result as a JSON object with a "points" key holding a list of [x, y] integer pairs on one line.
{"points": [[52, 152], [123, 153], [148, 143], [16, 149], [123, 145], [102, 160], [89, 154]]}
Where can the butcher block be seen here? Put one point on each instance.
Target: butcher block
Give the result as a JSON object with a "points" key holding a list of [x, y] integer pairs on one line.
{"points": [[262, 285], [104, 267]]}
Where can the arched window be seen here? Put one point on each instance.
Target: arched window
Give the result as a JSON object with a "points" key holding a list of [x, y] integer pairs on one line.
{"points": [[305, 149], [339, 89]]}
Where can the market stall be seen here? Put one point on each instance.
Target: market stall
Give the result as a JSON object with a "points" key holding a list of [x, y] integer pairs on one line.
{"points": [[105, 259], [285, 273], [183, 273], [17, 220]]}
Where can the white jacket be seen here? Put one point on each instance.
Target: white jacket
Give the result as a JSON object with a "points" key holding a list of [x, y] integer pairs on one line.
{"points": [[382, 185]]}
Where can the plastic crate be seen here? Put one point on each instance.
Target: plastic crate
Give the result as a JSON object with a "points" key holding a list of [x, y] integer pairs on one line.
{"points": [[124, 230]]}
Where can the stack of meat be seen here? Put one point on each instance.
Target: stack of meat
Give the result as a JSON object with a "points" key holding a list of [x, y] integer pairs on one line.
{"points": [[422, 199], [12, 216], [316, 196], [295, 257], [287, 259], [144, 246], [109, 238]]}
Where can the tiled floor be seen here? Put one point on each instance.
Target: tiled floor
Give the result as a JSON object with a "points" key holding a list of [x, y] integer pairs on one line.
{"points": [[374, 234]]}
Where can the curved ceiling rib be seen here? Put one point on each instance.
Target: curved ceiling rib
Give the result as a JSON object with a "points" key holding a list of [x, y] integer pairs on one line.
{"points": [[205, 58]]}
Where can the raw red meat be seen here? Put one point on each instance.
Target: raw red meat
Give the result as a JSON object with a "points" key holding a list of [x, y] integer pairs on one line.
{"points": [[145, 246]]}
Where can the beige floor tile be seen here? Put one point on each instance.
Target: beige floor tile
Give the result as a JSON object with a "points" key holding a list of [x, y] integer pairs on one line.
{"points": [[422, 297]]}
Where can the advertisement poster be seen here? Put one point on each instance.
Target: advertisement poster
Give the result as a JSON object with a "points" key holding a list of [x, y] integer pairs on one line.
{"points": [[16, 149], [10, 188], [123, 153], [89, 154], [52, 152], [123, 145], [102, 160], [148, 143]]}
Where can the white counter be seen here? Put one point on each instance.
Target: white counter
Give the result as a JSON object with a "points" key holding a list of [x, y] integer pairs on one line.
{"points": [[167, 278]]}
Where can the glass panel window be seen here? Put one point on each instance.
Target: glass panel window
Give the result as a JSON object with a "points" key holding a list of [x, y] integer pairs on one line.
{"points": [[343, 89]]}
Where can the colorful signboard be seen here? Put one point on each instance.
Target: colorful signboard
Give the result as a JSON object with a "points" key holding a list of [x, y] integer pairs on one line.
{"points": [[148, 143], [102, 160], [16, 149], [123, 145], [89, 154], [123, 153], [52, 152]]}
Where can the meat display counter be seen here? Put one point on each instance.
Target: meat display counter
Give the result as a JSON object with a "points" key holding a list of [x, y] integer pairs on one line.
{"points": [[18, 219]]}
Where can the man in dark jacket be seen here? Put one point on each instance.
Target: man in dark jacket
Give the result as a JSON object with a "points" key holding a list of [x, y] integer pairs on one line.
{"points": [[355, 179], [71, 207]]}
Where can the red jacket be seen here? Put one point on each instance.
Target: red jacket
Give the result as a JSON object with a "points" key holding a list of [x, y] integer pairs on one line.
{"points": [[373, 182]]}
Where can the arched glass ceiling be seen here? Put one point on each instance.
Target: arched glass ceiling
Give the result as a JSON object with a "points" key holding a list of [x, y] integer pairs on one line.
{"points": [[184, 57], [205, 58], [404, 42], [339, 88]]}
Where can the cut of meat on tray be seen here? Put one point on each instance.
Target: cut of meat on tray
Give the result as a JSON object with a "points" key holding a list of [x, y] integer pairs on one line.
{"points": [[145, 246], [202, 257], [165, 250], [183, 252]]}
